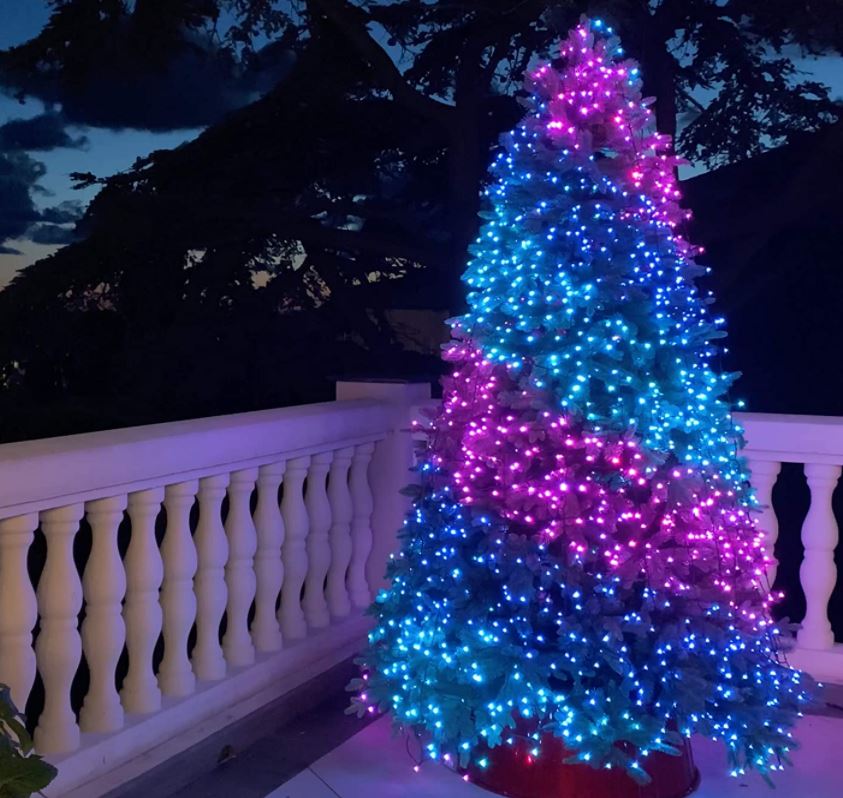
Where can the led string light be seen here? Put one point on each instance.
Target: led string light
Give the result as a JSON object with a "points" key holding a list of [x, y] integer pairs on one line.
{"points": [[483, 632], [583, 558], [580, 271], [597, 496]]}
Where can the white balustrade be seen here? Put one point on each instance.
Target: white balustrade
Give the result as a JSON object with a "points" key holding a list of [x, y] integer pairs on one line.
{"points": [[361, 525], [818, 572], [58, 649], [764, 474], [18, 607], [294, 550], [816, 442], [322, 551], [240, 568], [103, 630], [142, 611], [339, 496], [310, 552], [178, 602], [318, 545], [209, 584], [269, 570]]}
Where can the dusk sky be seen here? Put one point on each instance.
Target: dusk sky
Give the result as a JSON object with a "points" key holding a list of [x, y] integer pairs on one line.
{"points": [[104, 151]]}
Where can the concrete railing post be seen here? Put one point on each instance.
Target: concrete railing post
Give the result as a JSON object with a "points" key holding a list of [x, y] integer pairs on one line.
{"points": [[389, 470]]}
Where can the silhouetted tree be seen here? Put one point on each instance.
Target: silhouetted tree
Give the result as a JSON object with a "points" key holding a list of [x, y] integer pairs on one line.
{"points": [[245, 268]]}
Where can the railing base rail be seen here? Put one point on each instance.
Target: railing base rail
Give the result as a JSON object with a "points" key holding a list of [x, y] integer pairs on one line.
{"points": [[147, 741], [825, 665]]}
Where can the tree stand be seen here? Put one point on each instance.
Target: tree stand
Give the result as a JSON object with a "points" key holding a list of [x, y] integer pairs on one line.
{"points": [[513, 772]]}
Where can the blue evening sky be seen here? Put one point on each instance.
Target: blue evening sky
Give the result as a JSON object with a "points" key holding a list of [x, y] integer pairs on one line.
{"points": [[109, 151]]}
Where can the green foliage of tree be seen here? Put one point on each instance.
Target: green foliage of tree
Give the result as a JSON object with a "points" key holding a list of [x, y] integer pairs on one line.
{"points": [[22, 772]]}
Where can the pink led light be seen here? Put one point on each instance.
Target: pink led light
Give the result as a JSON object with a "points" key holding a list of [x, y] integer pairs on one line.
{"points": [[527, 464], [642, 157]]}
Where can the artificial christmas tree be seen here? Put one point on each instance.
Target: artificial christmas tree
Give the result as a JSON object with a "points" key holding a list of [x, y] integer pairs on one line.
{"points": [[582, 559]]}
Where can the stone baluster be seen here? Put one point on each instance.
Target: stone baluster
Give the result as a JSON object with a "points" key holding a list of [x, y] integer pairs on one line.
{"points": [[175, 675], [142, 611], [374, 531], [269, 570], [764, 475], [209, 584], [240, 568], [103, 630], [318, 545], [294, 551], [18, 607], [818, 573], [361, 524], [58, 648], [339, 496]]}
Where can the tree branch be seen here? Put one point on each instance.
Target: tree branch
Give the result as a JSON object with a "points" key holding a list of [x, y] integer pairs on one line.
{"points": [[313, 233], [351, 21], [686, 95]]}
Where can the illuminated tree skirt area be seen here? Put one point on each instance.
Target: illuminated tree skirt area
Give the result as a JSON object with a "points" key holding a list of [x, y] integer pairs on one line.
{"points": [[374, 764]]}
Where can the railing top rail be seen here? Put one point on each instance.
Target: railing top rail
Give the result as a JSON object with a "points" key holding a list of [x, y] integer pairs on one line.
{"points": [[51, 471], [793, 438], [789, 419]]}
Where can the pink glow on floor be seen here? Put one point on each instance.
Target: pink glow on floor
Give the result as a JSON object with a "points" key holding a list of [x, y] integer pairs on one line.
{"points": [[373, 764]]}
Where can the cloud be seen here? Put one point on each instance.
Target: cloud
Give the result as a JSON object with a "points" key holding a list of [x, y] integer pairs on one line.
{"points": [[103, 70], [43, 132], [20, 218], [19, 174], [194, 89], [116, 85], [65, 212], [43, 233]]}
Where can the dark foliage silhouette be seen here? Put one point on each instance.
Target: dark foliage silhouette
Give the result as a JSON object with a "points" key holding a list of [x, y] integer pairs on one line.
{"points": [[247, 268]]}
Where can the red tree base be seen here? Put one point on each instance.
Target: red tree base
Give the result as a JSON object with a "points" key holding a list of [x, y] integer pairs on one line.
{"points": [[514, 773]]}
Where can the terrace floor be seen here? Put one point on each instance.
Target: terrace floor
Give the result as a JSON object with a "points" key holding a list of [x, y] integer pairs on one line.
{"points": [[321, 753], [372, 764]]}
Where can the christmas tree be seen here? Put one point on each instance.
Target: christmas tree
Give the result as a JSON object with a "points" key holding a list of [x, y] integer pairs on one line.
{"points": [[582, 557]]}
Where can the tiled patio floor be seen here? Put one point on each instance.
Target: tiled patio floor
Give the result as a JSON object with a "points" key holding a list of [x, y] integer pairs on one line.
{"points": [[373, 764]]}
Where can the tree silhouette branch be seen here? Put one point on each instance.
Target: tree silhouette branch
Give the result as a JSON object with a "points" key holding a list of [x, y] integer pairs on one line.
{"points": [[351, 22]]}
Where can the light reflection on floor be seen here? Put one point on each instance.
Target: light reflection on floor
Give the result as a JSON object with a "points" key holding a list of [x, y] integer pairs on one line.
{"points": [[373, 764]]}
